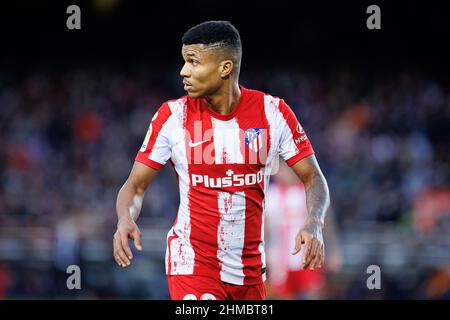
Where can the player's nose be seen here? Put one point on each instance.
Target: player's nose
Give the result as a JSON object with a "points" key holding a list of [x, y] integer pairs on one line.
{"points": [[185, 71]]}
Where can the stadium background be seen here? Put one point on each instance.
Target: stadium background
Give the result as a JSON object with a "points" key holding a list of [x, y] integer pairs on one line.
{"points": [[75, 106]]}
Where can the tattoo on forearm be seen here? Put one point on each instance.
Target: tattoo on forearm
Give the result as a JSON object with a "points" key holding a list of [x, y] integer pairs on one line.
{"points": [[317, 199]]}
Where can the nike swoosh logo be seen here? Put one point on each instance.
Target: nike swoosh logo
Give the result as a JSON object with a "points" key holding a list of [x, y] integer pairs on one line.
{"points": [[194, 144]]}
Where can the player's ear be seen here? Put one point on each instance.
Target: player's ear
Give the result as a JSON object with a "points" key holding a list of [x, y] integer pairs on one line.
{"points": [[226, 67]]}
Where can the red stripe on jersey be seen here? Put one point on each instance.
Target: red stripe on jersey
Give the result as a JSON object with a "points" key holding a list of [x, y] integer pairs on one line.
{"points": [[301, 141], [150, 163], [251, 117], [251, 256], [203, 204], [293, 160], [164, 113], [254, 195], [199, 134]]}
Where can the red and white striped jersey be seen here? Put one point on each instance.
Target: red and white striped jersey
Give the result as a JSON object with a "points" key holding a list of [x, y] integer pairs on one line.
{"points": [[223, 165]]}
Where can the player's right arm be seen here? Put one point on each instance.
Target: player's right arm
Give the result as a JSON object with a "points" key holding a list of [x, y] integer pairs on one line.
{"points": [[128, 207], [152, 156]]}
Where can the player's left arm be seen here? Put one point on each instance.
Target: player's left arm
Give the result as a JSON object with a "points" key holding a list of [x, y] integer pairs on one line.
{"points": [[317, 201]]}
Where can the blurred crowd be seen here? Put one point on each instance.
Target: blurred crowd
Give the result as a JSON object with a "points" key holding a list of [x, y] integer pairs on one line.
{"points": [[68, 139]]}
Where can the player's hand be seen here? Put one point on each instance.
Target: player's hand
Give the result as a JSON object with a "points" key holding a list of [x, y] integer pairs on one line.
{"points": [[314, 253], [126, 229]]}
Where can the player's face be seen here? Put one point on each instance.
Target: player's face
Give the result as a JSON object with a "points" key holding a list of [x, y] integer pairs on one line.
{"points": [[201, 70]]}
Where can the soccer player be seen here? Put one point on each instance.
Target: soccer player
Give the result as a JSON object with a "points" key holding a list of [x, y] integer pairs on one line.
{"points": [[222, 140]]}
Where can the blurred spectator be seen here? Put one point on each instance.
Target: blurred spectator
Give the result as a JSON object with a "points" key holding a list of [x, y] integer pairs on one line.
{"points": [[431, 209], [5, 280], [286, 213]]}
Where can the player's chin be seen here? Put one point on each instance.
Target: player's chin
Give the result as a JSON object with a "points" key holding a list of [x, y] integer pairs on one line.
{"points": [[195, 94]]}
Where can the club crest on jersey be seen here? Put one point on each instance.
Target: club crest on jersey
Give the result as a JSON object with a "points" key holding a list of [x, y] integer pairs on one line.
{"points": [[253, 138]]}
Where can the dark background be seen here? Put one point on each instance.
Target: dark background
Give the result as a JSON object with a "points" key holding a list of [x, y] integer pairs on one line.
{"points": [[308, 33]]}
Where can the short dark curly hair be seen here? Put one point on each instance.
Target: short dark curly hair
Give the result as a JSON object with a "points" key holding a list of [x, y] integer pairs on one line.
{"points": [[217, 34]]}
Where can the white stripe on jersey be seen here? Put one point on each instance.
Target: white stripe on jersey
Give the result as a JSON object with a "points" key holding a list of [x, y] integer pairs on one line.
{"points": [[169, 234], [226, 141], [182, 254], [272, 115], [287, 147], [230, 236], [160, 152]]}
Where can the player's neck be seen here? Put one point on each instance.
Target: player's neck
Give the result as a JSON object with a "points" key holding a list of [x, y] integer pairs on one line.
{"points": [[225, 99]]}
